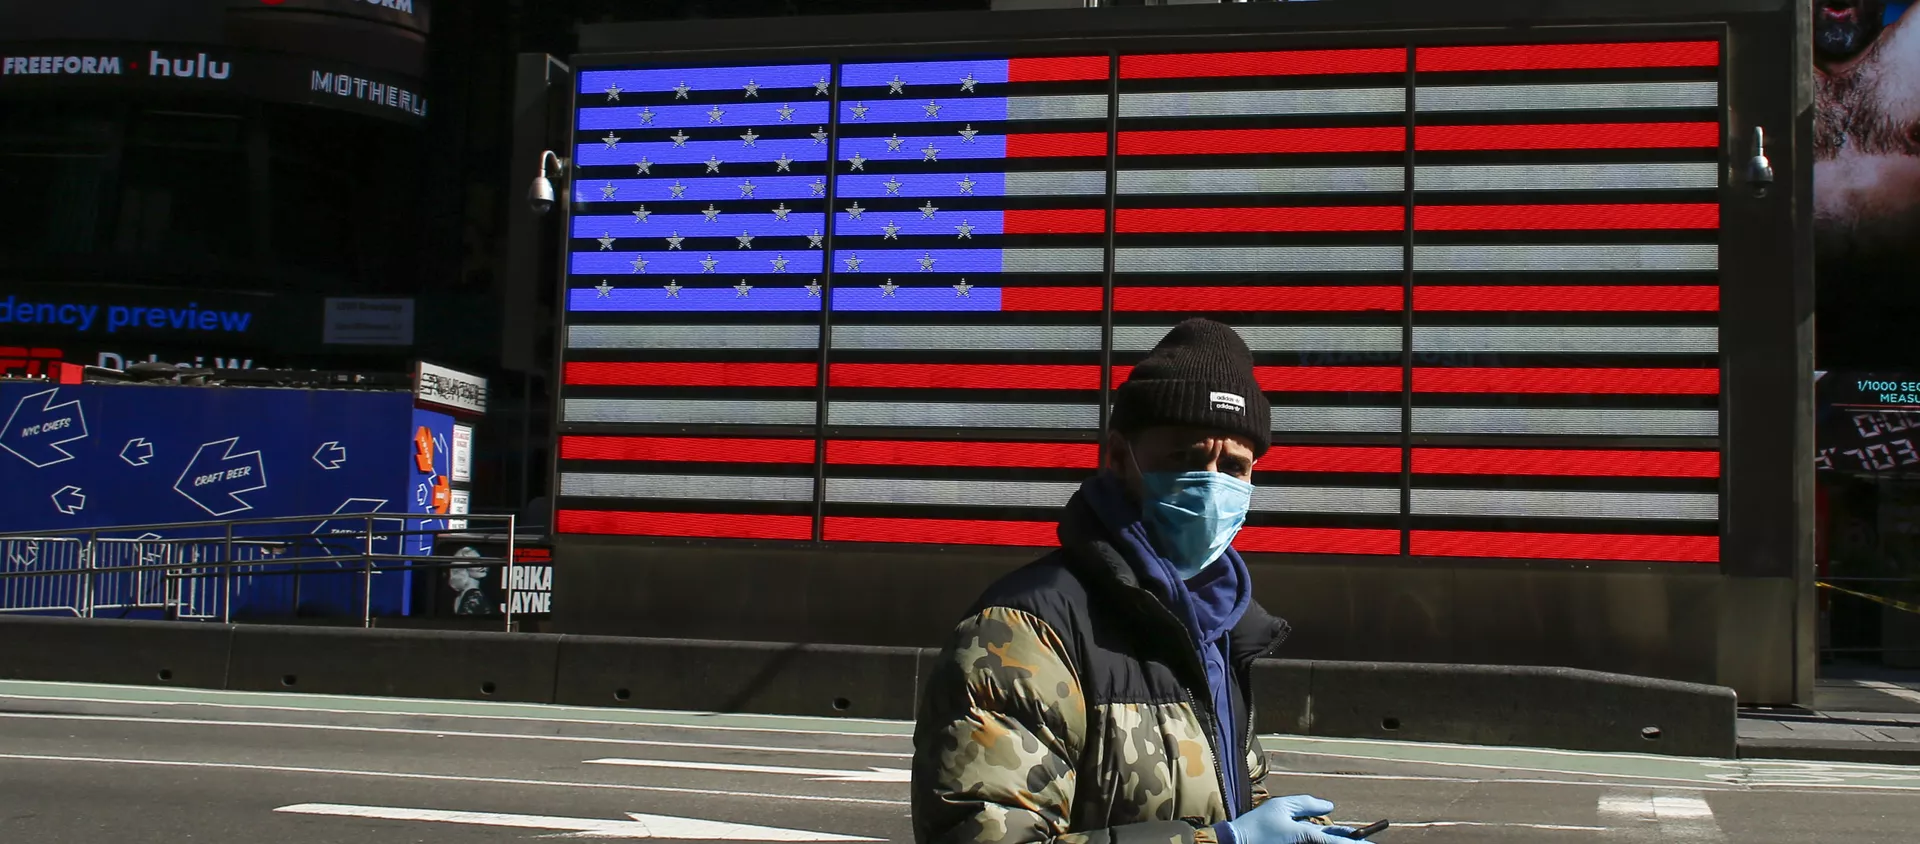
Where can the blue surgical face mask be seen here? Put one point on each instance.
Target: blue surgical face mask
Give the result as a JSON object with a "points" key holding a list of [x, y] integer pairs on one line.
{"points": [[1193, 515]]}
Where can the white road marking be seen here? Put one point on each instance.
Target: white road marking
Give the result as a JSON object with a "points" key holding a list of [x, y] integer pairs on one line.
{"points": [[819, 774], [1895, 689], [640, 826], [1484, 767], [398, 775], [1480, 781], [1679, 817], [461, 733], [1548, 826]]}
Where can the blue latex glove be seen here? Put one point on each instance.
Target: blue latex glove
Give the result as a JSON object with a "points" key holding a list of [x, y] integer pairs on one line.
{"points": [[1281, 820]]}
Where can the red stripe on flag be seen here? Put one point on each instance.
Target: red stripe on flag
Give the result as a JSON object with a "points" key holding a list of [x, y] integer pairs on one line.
{"points": [[1279, 540], [1560, 136], [1564, 217], [1280, 63], [1307, 458], [1567, 56], [687, 449], [711, 525], [1257, 298], [941, 531], [1566, 546], [1052, 299], [1065, 69], [957, 376], [1183, 220], [1595, 463], [693, 374], [994, 455], [1313, 379], [1262, 141], [1666, 382], [1065, 221], [1056, 144], [1583, 298]]}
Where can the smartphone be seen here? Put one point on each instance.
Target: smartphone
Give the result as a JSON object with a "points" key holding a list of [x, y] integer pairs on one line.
{"points": [[1367, 830]]}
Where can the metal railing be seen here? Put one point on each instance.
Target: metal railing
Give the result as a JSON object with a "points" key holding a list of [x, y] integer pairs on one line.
{"points": [[204, 570]]}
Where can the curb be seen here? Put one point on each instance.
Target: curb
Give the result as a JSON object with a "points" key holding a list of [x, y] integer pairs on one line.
{"points": [[1870, 752]]}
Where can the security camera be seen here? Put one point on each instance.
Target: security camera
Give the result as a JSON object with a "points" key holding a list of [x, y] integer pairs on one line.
{"points": [[540, 195], [1759, 169]]}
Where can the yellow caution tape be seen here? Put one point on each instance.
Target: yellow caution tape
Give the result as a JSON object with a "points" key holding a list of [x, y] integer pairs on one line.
{"points": [[1898, 605]]}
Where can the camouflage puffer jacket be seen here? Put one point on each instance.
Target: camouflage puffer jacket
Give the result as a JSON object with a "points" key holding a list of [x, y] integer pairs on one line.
{"points": [[1069, 706]]}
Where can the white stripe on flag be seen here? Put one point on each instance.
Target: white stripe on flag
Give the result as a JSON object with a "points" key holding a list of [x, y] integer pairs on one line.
{"points": [[968, 338], [1264, 180], [1274, 338], [1632, 339], [1611, 95], [1237, 103], [1379, 420], [945, 493], [1058, 183], [1259, 259], [689, 487], [691, 411], [919, 414], [1563, 421], [1066, 107], [693, 336], [1554, 504], [1584, 257], [1701, 175], [1053, 260], [1325, 499]]}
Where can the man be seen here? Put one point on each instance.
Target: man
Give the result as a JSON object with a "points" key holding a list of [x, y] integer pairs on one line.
{"points": [[1100, 694]]}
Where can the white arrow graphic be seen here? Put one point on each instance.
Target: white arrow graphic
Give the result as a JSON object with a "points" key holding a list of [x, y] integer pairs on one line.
{"points": [[137, 452], [335, 454], [641, 826], [68, 500], [868, 775]]}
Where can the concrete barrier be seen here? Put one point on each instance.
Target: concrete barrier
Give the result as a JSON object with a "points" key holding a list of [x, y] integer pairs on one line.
{"points": [[453, 665], [711, 676], [134, 653]]}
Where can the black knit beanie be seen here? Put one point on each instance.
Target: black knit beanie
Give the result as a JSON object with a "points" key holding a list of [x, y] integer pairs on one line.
{"points": [[1200, 375]]}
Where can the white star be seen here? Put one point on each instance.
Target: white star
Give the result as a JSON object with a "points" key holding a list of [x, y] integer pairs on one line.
{"points": [[786, 113], [886, 290], [967, 83], [892, 185], [930, 154], [708, 263], [674, 240], [854, 212], [966, 230], [714, 114], [926, 211], [673, 289], [819, 187], [713, 164], [746, 240], [893, 143], [813, 288], [896, 86], [853, 263], [926, 262], [753, 88], [893, 231], [746, 189], [646, 117], [858, 161], [961, 289], [677, 190], [816, 240], [783, 164], [780, 264], [679, 137], [966, 135], [781, 211], [748, 138], [860, 111], [639, 264], [711, 212], [645, 167], [819, 136], [680, 91], [608, 190], [604, 288], [820, 87], [933, 108], [641, 214], [743, 287], [606, 241], [611, 140], [613, 93], [966, 184]]}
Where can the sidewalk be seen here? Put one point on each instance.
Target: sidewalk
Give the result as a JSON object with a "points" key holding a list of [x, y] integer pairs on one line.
{"points": [[1864, 718]]}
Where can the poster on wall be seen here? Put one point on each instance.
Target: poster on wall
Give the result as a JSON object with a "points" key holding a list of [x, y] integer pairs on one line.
{"points": [[462, 454]]}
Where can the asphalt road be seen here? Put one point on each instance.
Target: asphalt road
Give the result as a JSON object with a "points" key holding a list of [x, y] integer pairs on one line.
{"points": [[128, 765]]}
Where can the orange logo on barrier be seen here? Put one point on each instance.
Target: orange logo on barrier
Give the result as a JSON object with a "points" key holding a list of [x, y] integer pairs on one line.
{"points": [[423, 449], [442, 494]]}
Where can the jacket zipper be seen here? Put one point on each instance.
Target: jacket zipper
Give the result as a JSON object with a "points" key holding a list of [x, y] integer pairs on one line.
{"points": [[1219, 770]]}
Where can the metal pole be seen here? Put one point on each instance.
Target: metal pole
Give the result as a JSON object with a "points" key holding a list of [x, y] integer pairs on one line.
{"points": [[508, 592], [86, 576], [366, 596], [226, 579]]}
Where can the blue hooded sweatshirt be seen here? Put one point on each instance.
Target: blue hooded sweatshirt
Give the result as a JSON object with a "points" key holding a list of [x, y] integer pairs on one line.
{"points": [[1209, 605]]}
